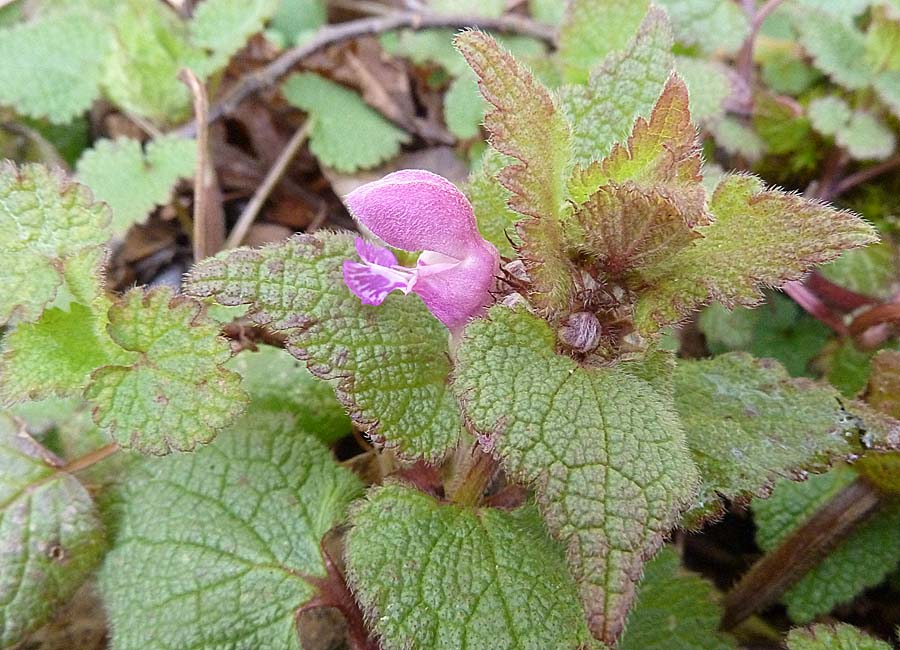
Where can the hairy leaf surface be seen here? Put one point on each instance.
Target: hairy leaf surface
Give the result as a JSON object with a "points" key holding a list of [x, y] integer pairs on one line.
{"points": [[133, 179], [228, 537], [626, 85], [175, 394], [760, 238], [51, 536], [391, 362], [526, 124], [346, 133], [604, 450], [765, 425], [50, 235], [444, 577]]}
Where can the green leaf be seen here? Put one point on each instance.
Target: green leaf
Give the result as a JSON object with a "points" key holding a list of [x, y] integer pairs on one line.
{"points": [[51, 66], [871, 271], [604, 450], [765, 425], [711, 25], [464, 107], [278, 383], [51, 536], [883, 42], [55, 355], [489, 8], [547, 11], [846, 367], [134, 180], [829, 114], [860, 561], [592, 29], [736, 137], [175, 394], [424, 47], [833, 637], [391, 362], [223, 27], [50, 235], [440, 576], [526, 124], [709, 83], [661, 157], [294, 18], [150, 47], [624, 87], [228, 537], [866, 137], [887, 86], [346, 133], [837, 48], [675, 610], [490, 202], [759, 238]]}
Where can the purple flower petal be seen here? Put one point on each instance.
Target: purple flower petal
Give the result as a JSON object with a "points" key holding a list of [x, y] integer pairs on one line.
{"points": [[416, 210], [369, 252], [372, 283]]}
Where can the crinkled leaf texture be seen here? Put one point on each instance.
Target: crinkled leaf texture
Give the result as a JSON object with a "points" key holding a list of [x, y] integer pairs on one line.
{"points": [[675, 610], [391, 362], [860, 561], [625, 86], [759, 238], [133, 180], [765, 425], [490, 202], [51, 65], [51, 536], [526, 125], [346, 133], [51, 232], [175, 394], [278, 383], [833, 637], [603, 448], [443, 577], [227, 537], [836, 46]]}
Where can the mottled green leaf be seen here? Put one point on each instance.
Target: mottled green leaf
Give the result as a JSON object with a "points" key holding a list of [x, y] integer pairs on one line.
{"points": [[604, 450], [346, 133], [440, 576], [133, 179], [50, 236], [51, 66], [871, 271], [833, 637], [464, 107], [765, 425], [860, 561], [216, 549], [278, 383], [222, 27], [759, 238], [390, 362], [175, 394], [675, 610], [295, 18], [526, 124], [710, 86], [866, 137], [592, 29], [51, 536], [625, 86]]}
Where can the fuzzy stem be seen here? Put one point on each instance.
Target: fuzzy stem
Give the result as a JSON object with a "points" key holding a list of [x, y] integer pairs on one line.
{"points": [[805, 547], [472, 477]]}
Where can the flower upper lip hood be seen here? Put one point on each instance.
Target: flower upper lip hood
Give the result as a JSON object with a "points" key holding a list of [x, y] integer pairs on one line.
{"points": [[416, 210]]}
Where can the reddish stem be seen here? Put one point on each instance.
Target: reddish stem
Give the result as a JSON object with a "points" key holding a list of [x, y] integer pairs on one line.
{"points": [[837, 296], [815, 307], [334, 592], [887, 313]]}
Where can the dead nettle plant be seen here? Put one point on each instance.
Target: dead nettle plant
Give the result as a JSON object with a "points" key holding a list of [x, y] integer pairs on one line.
{"points": [[499, 343]]}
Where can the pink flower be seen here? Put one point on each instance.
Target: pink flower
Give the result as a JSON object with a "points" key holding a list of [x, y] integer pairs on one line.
{"points": [[415, 210]]}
